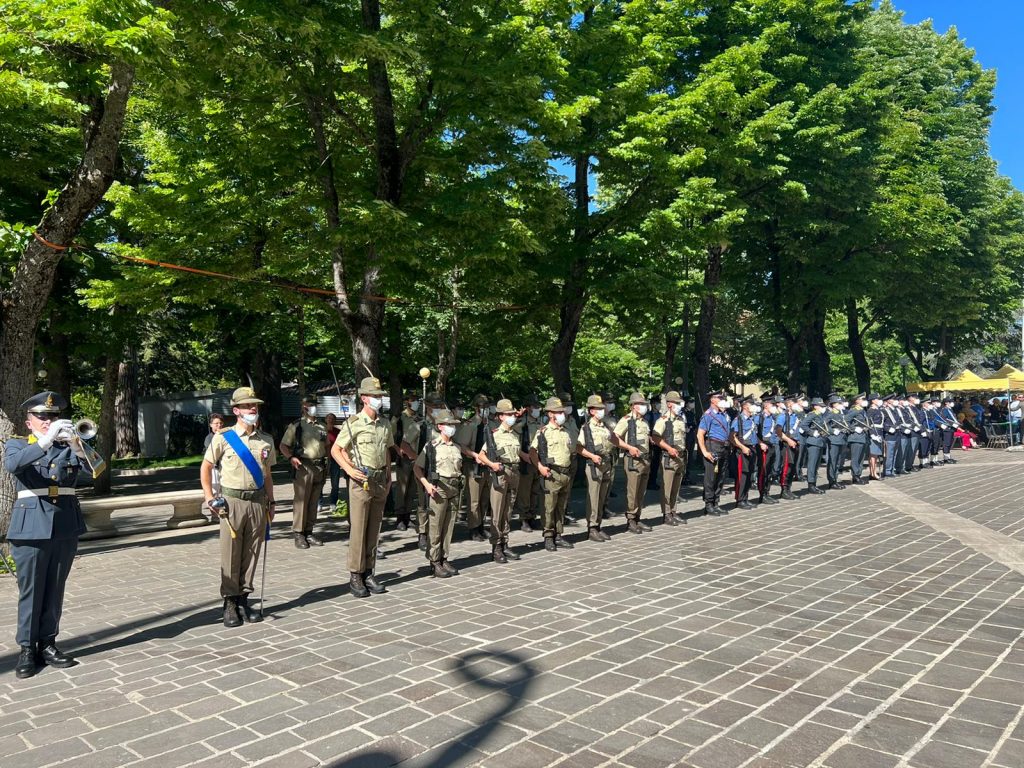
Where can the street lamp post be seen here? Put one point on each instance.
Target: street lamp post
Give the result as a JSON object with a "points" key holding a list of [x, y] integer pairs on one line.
{"points": [[424, 374]]}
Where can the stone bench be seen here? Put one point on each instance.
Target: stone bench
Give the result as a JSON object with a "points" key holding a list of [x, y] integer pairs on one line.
{"points": [[187, 510]]}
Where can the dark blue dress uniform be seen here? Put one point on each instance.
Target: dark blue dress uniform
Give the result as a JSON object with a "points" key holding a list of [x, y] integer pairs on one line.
{"points": [[860, 433], [770, 462], [787, 423], [813, 429], [744, 430], [835, 420], [46, 522], [915, 418], [948, 420], [714, 426]]}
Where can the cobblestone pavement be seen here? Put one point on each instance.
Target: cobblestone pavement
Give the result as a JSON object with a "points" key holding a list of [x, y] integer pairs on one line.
{"points": [[872, 627]]}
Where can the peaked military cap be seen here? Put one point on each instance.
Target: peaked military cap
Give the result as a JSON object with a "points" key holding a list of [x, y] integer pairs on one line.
{"points": [[833, 399], [608, 397], [716, 393], [566, 398], [817, 401], [637, 397], [888, 398], [371, 386], [531, 400], [481, 400], [310, 400], [553, 404], [245, 396], [859, 396], [874, 396], [776, 400], [45, 402], [504, 406], [595, 401], [445, 416], [673, 397]]}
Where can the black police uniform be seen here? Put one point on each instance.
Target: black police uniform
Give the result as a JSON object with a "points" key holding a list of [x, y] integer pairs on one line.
{"points": [[46, 522]]}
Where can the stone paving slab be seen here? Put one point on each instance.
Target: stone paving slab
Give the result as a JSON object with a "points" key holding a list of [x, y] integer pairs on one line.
{"points": [[862, 628]]}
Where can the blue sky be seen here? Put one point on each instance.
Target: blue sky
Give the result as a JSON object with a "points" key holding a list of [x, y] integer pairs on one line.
{"points": [[995, 29]]}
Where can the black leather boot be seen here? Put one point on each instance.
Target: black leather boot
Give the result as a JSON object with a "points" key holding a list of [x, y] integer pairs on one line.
{"points": [[26, 663], [508, 553], [371, 583], [632, 527], [231, 617], [549, 544], [356, 585], [788, 494], [563, 543], [670, 519], [452, 570], [422, 542], [300, 541], [438, 571], [595, 535], [499, 555], [248, 614]]}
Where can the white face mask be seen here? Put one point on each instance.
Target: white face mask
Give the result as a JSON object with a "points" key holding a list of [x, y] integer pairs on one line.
{"points": [[414, 406], [311, 411], [797, 408], [509, 419], [252, 419], [559, 418], [726, 403], [770, 410], [599, 414], [448, 430], [535, 412], [641, 410], [375, 403]]}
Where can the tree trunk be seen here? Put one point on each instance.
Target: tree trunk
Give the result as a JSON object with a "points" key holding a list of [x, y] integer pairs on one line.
{"points": [[264, 368], [856, 341], [57, 363], [448, 342], [684, 370], [300, 363], [945, 354], [794, 362], [574, 292], [671, 345], [22, 304], [821, 364], [126, 406], [106, 436], [702, 346]]}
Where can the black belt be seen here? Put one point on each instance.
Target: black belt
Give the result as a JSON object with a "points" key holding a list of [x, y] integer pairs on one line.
{"points": [[716, 440], [561, 470], [257, 495], [321, 461]]}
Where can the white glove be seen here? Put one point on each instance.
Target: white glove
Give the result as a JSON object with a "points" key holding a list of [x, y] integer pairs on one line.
{"points": [[51, 434], [835, 431], [892, 430], [815, 433], [858, 430]]}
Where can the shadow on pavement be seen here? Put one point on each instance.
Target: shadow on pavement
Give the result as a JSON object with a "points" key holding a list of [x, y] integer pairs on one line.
{"points": [[503, 672]]}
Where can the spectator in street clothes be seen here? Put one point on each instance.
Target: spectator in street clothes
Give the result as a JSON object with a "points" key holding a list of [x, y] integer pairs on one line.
{"points": [[216, 425]]}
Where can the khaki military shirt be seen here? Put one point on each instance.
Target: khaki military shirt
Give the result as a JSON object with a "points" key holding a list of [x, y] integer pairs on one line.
{"points": [[411, 429], [506, 441], [466, 433], [447, 459], [233, 473], [643, 434], [314, 439], [602, 438], [572, 429], [559, 447], [678, 430], [373, 440]]}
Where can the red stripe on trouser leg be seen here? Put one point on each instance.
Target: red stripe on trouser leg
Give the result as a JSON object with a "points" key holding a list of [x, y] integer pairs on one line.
{"points": [[785, 466], [739, 474]]}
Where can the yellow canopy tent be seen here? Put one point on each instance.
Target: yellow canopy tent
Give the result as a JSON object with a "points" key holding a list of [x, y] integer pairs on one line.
{"points": [[965, 381]]}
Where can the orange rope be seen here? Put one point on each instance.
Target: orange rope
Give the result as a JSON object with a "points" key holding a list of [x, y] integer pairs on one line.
{"points": [[48, 244]]}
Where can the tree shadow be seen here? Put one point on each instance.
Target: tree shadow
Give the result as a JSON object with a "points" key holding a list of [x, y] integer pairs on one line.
{"points": [[494, 672]]}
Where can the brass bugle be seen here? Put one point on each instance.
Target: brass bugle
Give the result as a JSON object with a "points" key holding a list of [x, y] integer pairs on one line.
{"points": [[86, 429]]}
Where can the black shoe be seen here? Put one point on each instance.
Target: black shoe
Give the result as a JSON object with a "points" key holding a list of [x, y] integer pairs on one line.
{"points": [[452, 570], [248, 614], [769, 500], [744, 505], [26, 663], [836, 487], [606, 515], [478, 534], [422, 543], [787, 494], [231, 615], [402, 526], [356, 585], [509, 553], [595, 535], [859, 481], [709, 509], [814, 489], [549, 544], [312, 538], [300, 541], [438, 571], [371, 583], [499, 556], [950, 461], [563, 543]]}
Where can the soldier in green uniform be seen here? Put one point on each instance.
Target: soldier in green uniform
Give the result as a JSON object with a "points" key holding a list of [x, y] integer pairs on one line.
{"points": [[670, 435], [501, 454], [551, 452], [439, 470], [595, 444], [470, 438], [635, 435], [573, 428], [304, 445], [610, 420], [363, 449], [432, 405], [245, 456], [408, 427], [529, 498]]}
